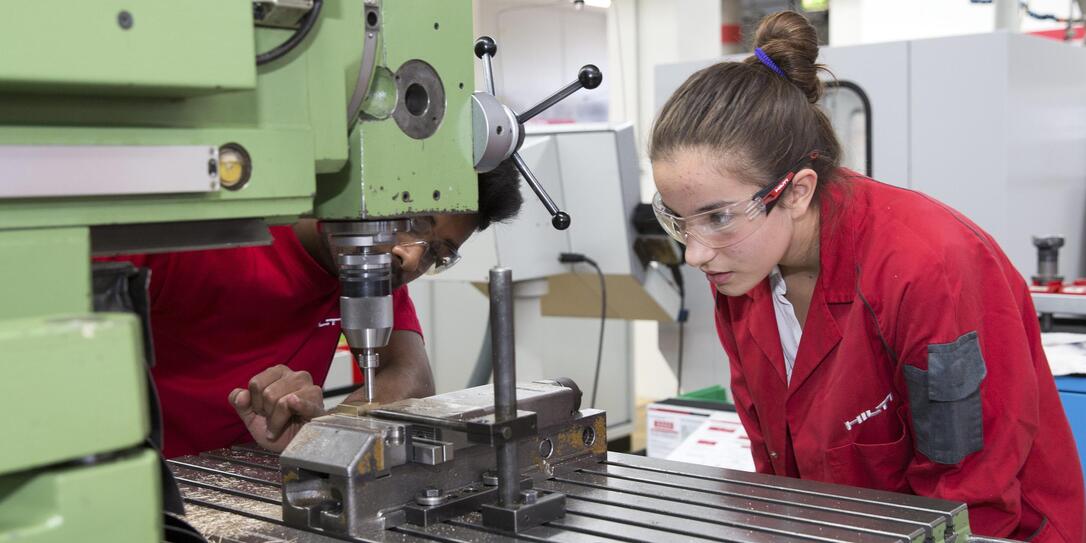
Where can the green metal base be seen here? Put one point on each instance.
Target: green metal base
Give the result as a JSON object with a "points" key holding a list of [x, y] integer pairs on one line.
{"points": [[116, 501], [73, 386]]}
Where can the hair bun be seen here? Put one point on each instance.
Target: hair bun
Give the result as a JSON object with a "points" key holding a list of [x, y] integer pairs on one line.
{"points": [[790, 40]]}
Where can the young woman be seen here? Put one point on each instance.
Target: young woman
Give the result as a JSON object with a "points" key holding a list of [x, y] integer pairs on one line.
{"points": [[877, 337]]}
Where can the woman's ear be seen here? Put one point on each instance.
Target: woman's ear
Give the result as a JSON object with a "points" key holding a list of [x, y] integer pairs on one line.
{"points": [[801, 194]]}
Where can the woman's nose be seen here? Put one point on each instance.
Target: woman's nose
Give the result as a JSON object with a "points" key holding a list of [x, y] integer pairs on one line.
{"points": [[696, 253]]}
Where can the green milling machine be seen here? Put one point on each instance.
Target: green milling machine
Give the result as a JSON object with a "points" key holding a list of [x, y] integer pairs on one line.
{"points": [[141, 126]]}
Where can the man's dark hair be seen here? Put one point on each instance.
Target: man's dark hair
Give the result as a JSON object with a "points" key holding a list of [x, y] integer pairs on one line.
{"points": [[499, 195]]}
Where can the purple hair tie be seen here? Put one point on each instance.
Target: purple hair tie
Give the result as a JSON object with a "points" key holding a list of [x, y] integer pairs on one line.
{"points": [[764, 59]]}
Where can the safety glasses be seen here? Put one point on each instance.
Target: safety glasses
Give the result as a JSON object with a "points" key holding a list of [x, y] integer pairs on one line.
{"points": [[438, 255], [731, 223]]}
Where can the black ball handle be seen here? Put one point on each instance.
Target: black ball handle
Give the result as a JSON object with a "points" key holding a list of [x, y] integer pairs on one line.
{"points": [[590, 76], [485, 46]]}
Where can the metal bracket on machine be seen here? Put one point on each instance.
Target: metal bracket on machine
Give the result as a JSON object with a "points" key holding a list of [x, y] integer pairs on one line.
{"points": [[372, 18]]}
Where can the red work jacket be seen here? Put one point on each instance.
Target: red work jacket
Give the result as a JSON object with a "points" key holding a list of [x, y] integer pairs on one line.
{"points": [[920, 369]]}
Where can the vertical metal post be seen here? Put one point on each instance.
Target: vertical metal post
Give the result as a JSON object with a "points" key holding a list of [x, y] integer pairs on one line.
{"points": [[505, 379]]}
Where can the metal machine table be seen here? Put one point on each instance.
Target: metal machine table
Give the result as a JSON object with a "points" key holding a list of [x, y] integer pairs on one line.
{"points": [[235, 496]]}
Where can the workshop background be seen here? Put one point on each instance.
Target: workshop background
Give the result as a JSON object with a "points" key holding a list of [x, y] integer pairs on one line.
{"points": [[653, 45], [606, 303]]}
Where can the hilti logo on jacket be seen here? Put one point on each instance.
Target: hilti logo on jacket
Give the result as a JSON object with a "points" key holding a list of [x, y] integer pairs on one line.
{"points": [[883, 406]]}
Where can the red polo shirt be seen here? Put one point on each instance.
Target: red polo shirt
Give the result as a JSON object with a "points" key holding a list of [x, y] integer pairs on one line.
{"points": [[220, 317]]}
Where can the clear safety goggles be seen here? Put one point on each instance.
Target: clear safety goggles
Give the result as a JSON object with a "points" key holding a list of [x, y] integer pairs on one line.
{"points": [[438, 255], [729, 224]]}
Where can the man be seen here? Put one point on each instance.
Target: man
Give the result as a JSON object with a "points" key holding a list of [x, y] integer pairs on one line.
{"points": [[256, 328]]}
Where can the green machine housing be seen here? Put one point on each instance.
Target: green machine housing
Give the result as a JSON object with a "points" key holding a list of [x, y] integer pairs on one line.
{"points": [[117, 115]]}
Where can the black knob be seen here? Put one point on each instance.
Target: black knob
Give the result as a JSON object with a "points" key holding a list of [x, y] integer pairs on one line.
{"points": [[1051, 242], [560, 220], [486, 46], [590, 76]]}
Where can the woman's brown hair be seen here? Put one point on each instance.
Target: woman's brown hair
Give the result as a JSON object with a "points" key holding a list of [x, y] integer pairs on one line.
{"points": [[761, 124]]}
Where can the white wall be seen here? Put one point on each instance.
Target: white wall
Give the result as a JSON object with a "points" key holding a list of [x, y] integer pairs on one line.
{"points": [[541, 45], [854, 22], [641, 35]]}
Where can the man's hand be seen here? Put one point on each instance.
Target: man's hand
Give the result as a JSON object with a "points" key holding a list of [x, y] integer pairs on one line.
{"points": [[277, 403]]}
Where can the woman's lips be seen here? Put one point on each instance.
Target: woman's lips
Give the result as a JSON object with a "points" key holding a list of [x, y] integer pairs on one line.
{"points": [[718, 279]]}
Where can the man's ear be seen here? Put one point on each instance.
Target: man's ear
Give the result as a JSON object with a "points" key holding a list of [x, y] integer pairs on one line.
{"points": [[799, 197]]}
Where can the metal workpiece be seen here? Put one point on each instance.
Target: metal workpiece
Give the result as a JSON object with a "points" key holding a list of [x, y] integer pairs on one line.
{"points": [[423, 459], [608, 497], [551, 401]]}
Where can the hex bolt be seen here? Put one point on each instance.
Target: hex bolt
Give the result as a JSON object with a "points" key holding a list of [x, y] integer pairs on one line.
{"points": [[430, 497], [529, 497]]}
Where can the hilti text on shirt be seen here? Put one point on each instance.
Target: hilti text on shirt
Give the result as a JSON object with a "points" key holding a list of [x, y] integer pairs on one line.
{"points": [[884, 405]]}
